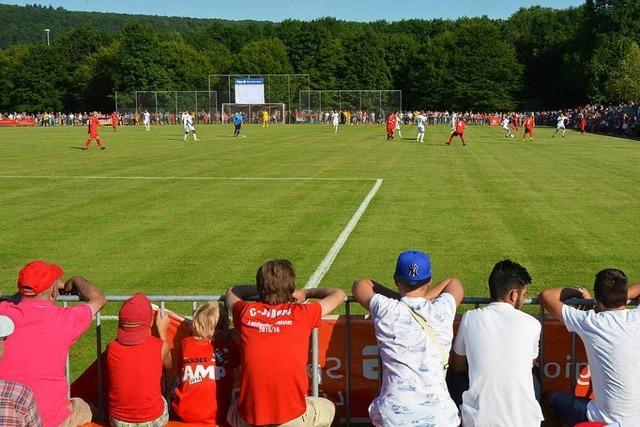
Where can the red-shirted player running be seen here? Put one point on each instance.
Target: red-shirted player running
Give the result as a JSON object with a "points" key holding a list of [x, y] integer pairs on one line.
{"points": [[391, 125], [114, 120], [458, 131], [529, 124], [93, 132], [582, 124], [514, 122]]}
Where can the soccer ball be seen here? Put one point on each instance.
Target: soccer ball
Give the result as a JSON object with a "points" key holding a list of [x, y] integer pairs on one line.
{"points": [[511, 136]]}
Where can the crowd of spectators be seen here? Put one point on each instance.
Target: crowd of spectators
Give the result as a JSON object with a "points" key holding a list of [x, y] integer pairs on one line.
{"points": [[622, 119], [490, 381]]}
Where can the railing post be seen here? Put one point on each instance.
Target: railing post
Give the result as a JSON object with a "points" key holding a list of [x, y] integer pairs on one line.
{"points": [[347, 384], [99, 364], [68, 365], [314, 363]]}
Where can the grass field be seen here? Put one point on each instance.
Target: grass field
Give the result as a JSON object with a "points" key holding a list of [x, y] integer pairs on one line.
{"points": [[564, 208]]}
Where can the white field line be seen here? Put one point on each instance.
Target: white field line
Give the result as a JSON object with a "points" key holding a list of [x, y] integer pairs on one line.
{"points": [[183, 178], [326, 263]]}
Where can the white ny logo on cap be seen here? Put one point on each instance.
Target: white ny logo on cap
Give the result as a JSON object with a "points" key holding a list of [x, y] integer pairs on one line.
{"points": [[413, 270]]}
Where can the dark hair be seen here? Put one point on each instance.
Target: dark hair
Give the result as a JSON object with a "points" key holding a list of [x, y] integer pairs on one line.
{"points": [[506, 276], [276, 281], [611, 288]]}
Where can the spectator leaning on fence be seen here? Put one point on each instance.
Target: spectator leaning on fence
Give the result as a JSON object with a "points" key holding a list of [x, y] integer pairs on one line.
{"points": [[135, 360], [37, 352], [611, 336], [414, 330], [17, 404], [208, 361], [497, 346], [274, 342]]}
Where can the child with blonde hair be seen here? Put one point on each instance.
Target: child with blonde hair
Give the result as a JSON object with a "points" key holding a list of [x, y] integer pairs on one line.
{"points": [[209, 359]]}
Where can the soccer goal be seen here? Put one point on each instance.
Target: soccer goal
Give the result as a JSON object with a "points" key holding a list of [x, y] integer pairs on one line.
{"points": [[253, 113]]}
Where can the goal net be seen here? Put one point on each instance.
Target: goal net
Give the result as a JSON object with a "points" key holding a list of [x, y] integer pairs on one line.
{"points": [[253, 113]]}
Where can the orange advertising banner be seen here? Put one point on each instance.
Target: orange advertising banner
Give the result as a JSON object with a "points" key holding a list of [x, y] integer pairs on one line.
{"points": [[356, 349]]}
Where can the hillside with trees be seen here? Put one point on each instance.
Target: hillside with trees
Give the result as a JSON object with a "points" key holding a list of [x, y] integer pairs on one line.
{"points": [[539, 58]]}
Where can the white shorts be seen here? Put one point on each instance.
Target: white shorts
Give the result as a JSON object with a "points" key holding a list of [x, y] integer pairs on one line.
{"points": [[420, 129], [189, 128], [561, 127], [146, 122]]}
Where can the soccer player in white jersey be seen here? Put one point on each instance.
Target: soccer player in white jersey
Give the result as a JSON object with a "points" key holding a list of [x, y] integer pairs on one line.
{"points": [[421, 121], [560, 126], [335, 119], [399, 118], [146, 120], [187, 123], [505, 127]]}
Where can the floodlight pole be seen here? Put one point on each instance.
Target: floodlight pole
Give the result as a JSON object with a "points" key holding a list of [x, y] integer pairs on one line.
{"points": [[47, 31]]}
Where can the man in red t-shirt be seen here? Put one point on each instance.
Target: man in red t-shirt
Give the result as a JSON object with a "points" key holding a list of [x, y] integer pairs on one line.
{"points": [[274, 342], [458, 131], [582, 124], [93, 132], [514, 122], [529, 124], [114, 120]]}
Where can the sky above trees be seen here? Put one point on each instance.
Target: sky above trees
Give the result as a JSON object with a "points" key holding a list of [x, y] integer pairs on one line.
{"points": [[278, 10]]}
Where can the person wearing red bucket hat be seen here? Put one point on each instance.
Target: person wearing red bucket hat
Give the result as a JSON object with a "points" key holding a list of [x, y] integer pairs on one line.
{"points": [[134, 365], [36, 353]]}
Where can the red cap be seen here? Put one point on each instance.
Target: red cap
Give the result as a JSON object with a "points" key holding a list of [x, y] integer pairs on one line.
{"points": [[38, 276], [135, 317]]}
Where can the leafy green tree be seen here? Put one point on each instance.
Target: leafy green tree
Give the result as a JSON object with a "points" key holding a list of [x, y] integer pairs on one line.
{"points": [[624, 82], [268, 56]]}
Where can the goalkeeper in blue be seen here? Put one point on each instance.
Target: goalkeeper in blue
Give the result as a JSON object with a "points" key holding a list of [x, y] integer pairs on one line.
{"points": [[237, 122]]}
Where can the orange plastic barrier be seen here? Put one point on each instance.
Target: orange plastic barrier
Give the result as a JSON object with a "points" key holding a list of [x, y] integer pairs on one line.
{"points": [[364, 362], [18, 122]]}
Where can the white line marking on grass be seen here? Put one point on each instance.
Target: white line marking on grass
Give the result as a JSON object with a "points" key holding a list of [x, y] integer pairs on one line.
{"points": [[185, 178], [326, 263]]}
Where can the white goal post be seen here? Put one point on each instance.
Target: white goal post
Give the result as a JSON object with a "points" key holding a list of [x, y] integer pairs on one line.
{"points": [[252, 113]]}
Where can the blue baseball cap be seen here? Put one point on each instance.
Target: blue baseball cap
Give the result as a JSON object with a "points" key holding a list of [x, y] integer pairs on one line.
{"points": [[413, 268]]}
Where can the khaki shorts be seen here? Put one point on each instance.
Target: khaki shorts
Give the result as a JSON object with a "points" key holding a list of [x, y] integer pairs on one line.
{"points": [[161, 421], [319, 413], [80, 413]]}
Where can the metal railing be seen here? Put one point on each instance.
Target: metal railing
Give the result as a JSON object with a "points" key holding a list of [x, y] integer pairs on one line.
{"points": [[315, 365]]}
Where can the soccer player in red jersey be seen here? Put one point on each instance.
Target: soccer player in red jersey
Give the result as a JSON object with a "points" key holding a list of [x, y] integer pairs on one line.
{"points": [[529, 124], [93, 132], [114, 120], [458, 131], [582, 124], [391, 125], [514, 122]]}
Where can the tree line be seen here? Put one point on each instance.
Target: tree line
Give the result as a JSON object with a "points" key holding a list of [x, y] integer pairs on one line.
{"points": [[537, 59]]}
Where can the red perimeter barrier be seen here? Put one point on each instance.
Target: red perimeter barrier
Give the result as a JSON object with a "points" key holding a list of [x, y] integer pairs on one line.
{"points": [[17, 122], [364, 363]]}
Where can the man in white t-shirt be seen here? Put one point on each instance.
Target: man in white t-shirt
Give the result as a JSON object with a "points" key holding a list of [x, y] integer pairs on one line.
{"points": [[414, 330], [421, 121], [146, 121], [335, 119], [187, 124], [611, 336], [505, 127], [560, 125], [497, 346]]}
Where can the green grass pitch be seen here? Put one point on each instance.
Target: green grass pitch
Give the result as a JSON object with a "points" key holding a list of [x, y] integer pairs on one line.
{"points": [[564, 208]]}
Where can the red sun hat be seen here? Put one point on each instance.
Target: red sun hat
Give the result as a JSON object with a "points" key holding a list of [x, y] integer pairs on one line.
{"points": [[38, 276], [134, 320]]}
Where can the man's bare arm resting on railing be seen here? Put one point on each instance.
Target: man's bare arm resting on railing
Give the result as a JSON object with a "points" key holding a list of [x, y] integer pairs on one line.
{"points": [[364, 289], [329, 298], [553, 299], [85, 290], [239, 293]]}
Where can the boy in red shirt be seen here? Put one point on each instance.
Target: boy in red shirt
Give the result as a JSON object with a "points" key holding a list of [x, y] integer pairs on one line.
{"points": [[529, 124], [582, 124], [458, 131], [274, 341], [209, 360], [135, 360], [93, 132]]}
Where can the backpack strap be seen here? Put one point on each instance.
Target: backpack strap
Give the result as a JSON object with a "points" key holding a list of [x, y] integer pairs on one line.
{"points": [[429, 331]]}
